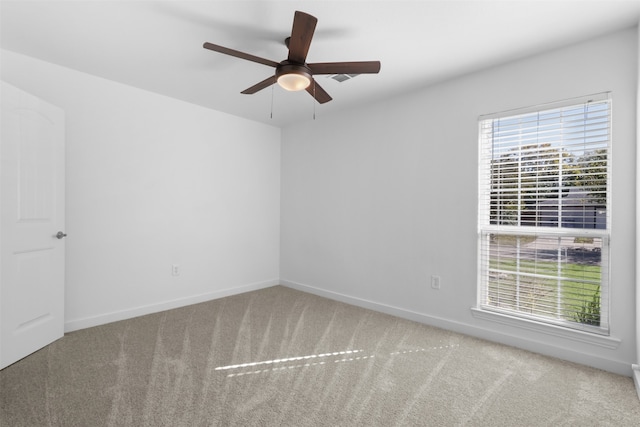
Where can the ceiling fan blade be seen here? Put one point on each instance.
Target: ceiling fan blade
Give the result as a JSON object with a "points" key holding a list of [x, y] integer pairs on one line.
{"points": [[318, 93], [259, 86], [238, 54], [301, 34], [365, 67]]}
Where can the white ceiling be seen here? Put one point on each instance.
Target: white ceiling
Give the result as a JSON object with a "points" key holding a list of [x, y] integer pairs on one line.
{"points": [[157, 45]]}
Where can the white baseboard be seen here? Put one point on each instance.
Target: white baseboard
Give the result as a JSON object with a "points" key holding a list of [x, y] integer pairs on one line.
{"points": [[87, 322], [514, 340], [375, 306], [636, 378]]}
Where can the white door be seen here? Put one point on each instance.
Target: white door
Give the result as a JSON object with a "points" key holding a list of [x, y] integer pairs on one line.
{"points": [[32, 213]]}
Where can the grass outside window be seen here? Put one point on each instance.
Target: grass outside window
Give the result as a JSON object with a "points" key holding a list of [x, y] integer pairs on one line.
{"points": [[528, 277]]}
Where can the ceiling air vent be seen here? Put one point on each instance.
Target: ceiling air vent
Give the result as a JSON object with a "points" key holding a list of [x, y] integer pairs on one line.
{"points": [[342, 77]]}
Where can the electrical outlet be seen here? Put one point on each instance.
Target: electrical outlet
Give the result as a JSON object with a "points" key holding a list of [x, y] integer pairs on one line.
{"points": [[175, 270], [435, 282]]}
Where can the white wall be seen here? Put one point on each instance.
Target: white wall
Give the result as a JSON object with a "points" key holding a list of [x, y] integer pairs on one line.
{"points": [[375, 201], [636, 365], [151, 182]]}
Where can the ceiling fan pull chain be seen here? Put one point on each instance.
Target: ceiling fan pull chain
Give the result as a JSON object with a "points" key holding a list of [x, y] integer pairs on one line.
{"points": [[314, 99], [272, 101]]}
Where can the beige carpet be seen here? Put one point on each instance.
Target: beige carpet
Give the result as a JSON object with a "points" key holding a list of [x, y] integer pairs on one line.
{"points": [[279, 357]]}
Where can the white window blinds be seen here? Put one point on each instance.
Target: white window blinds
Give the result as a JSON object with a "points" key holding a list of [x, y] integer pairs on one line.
{"points": [[543, 215]]}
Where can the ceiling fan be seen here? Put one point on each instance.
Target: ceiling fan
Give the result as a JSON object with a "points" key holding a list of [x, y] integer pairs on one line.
{"points": [[294, 73]]}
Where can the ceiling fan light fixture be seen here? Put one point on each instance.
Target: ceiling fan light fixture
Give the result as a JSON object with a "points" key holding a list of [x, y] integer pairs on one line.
{"points": [[293, 77], [294, 82]]}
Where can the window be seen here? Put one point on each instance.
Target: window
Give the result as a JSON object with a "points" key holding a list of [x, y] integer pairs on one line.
{"points": [[544, 213]]}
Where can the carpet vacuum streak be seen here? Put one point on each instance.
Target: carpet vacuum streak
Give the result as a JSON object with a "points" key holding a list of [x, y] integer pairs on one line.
{"points": [[280, 357]]}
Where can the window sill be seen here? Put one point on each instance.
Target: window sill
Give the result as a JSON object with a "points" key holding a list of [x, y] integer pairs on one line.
{"points": [[544, 328]]}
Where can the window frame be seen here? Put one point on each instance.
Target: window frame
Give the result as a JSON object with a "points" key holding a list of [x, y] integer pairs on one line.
{"points": [[518, 318]]}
